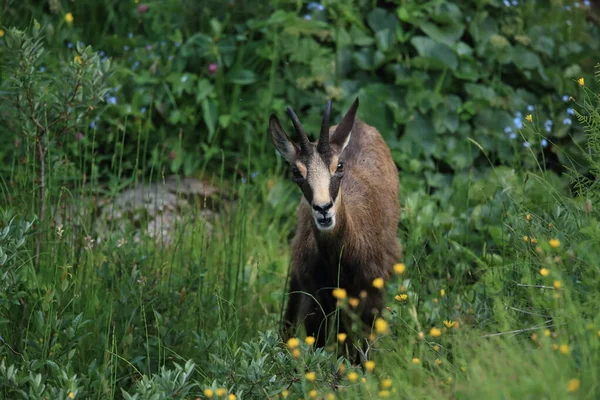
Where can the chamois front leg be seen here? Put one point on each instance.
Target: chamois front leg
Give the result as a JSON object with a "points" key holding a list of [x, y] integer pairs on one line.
{"points": [[293, 305]]}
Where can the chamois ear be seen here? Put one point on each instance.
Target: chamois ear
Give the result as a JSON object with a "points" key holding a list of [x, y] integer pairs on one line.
{"points": [[341, 135], [282, 142]]}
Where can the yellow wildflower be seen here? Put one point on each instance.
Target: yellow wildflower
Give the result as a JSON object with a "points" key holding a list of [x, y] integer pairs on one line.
{"points": [[378, 283], [564, 349], [208, 393], [352, 376], [534, 337], [529, 117], [339, 293], [449, 324], [381, 326], [313, 393], [78, 59], [435, 332], [463, 369], [544, 272], [384, 393], [342, 368], [292, 343], [598, 333], [449, 380], [554, 243], [442, 293], [399, 268], [554, 346], [311, 376], [581, 81], [69, 18], [353, 301], [1, 32], [296, 353], [363, 379], [547, 332], [386, 383], [557, 285], [436, 348], [528, 217], [331, 396], [363, 294], [309, 340], [285, 394], [71, 395], [221, 392], [573, 384], [370, 365], [341, 337], [416, 361], [438, 361], [401, 297], [231, 396]]}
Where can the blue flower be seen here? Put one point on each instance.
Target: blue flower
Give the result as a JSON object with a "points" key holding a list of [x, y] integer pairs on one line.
{"points": [[570, 111], [126, 48], [565, 98], [42, 69], [254, 174], [184, 79], [70, 45], [548, 125], [576, 4], [530, 108], [518, 114], [318, 6], [544, 143], [163, 43], [101, 53], [518, 122], [507, 3], [586, 3], [567, 121], [112, 100], [130, 35], [143, 110], [515, 2], [526, 144], [513, 136], [93, 124], [177, 44], [308, 17], [244, 180], [508, 129]]}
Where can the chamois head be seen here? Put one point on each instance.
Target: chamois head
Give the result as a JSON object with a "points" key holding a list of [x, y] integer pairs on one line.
{"points": [[317, 168]]}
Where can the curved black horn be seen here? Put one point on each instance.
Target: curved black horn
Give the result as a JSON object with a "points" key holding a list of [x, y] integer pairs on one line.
{"points": [[323, 145], [304, 142]]}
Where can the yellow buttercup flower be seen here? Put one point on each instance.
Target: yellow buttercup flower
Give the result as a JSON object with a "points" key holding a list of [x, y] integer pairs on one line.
{"points": [[438, 361], [310, 376], [436, 348], [339, 293], [581, 81], [71, 395], [381, 326], [378, 283], [557, 285], [449, 324], [554, 243], [564, 349], [1, 32], [353, 301], [285, 394], [386, 383], [78, 59], [416, 361], [313, 393], [544, 272], [384, 393], [341, 337], [529, 117], [370, 366], [221, 392], [352, 376], [442, 293], [528, 217], [401, 297], [547, 332], [435, 332], [399, 268], [309, 340], [69, 18], [292, 343], [331, 396], [296, 353], [231, 396], [574, 383], [208, 393]]}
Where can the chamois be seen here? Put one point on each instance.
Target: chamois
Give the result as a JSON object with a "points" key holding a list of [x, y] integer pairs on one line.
{"points": [[348, 216]]}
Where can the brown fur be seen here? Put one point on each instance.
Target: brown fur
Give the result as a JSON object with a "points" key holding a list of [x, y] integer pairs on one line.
{"points": [[363, 244]]}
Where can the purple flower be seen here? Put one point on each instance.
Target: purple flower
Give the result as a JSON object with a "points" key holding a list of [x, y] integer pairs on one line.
{"points": [[79, 136], [213, 68], [143, 9]]}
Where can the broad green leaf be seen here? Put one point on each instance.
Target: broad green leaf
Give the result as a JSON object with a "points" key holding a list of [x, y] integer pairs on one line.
{"points": [[434, 54], [447, 34], [241, 77], [379, 20], [209, 115], [525, 59]]}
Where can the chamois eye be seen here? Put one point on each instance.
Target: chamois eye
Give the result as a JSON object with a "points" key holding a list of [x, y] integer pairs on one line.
{"points": [[340, 167], [298, 178]]}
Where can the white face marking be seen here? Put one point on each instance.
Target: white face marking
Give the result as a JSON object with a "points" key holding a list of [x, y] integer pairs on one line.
{"points": [[319, 179]]}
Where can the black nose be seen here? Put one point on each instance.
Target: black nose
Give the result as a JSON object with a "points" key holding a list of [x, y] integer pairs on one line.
{"points": [[323, 209]]}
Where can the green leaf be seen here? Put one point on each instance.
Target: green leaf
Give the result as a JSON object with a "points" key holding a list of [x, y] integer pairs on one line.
{"points": [[447, 34], [203, 89], [419, 137], [525, 59], [241, 77], [434, 54], [210, 114], [379, 20]]}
